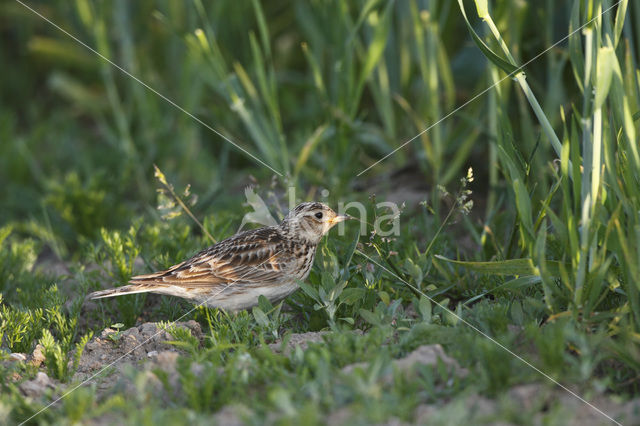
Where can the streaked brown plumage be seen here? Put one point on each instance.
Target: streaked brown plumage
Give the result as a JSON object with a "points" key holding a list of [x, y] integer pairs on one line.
{"points": [[233, 273]]}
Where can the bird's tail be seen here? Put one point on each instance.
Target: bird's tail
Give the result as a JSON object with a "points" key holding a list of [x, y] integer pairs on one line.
{"points": [[120, 291]]}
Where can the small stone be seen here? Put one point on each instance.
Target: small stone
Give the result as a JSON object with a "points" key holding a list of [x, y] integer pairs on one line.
{"points": [[38, 386], [153, 381], [167, 360], [341, 416], [425, 354], [92, 346], [133, 331], [194, 326], [231, 415], [106, 332], [130, 344], [17, 356], [527, 395], [148, 329], [37, 357], [299, 339], [424, 412], [43, 379], [428, 355], [197, 369], [481, 405], [152, 354]]}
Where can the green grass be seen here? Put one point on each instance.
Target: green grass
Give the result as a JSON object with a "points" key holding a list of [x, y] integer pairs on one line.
{"points": [[545, 260]]}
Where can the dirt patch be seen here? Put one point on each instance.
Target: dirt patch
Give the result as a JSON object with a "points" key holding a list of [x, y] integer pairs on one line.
{"points": [[301, 340], [38, 386], [583, 414], [535, 402], [144, 348], [425, 355], [113, 350], [107, 358]]}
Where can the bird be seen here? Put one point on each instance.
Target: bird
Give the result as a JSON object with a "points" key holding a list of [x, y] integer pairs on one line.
{"points": [[232, 274]]}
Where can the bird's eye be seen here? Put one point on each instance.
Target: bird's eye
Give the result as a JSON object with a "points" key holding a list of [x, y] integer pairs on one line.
{"points": [[319, 215]]}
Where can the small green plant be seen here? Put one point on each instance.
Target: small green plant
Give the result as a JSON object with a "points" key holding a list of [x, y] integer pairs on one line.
{"points": [[116, 256], [386, 315], [115, 337], [55, 358], [120, 251], [82, 204], [17, 259], [269, 317], [203, 386], [172, 205], [227, 329], [80, 404], [333, 281], [182, 337], [20, 328], [57, 349], [57, 354]]}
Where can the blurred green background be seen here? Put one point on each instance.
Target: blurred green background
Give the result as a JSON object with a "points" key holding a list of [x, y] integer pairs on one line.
{"points": [[318, 90]]}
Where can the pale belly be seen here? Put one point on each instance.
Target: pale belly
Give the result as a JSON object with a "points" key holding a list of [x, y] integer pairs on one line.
{"points": [[246, 296]]}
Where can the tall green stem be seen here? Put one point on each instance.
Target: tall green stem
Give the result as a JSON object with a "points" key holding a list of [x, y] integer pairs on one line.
{"points": [[522, 81]]}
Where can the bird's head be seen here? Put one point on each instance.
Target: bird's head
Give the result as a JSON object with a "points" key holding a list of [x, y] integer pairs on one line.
{"points": [[310, 221]]}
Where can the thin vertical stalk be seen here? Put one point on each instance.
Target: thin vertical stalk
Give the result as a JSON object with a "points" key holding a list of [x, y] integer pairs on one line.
{"points": [[596, 173], [493, 137], [587, 148], [522, 81], [434, 86]]}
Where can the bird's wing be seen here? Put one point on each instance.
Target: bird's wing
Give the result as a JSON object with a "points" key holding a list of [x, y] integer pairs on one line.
{"points": [[253, 256]]}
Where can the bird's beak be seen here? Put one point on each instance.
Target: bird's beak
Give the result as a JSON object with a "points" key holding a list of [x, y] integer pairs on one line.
{"points": [[340, 218]]}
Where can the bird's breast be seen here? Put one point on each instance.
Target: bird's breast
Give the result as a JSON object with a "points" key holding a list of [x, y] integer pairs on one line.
{"points": [[306, 262]]}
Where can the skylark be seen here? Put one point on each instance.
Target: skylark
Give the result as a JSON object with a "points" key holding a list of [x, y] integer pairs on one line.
{"points": [[233, 273]]}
